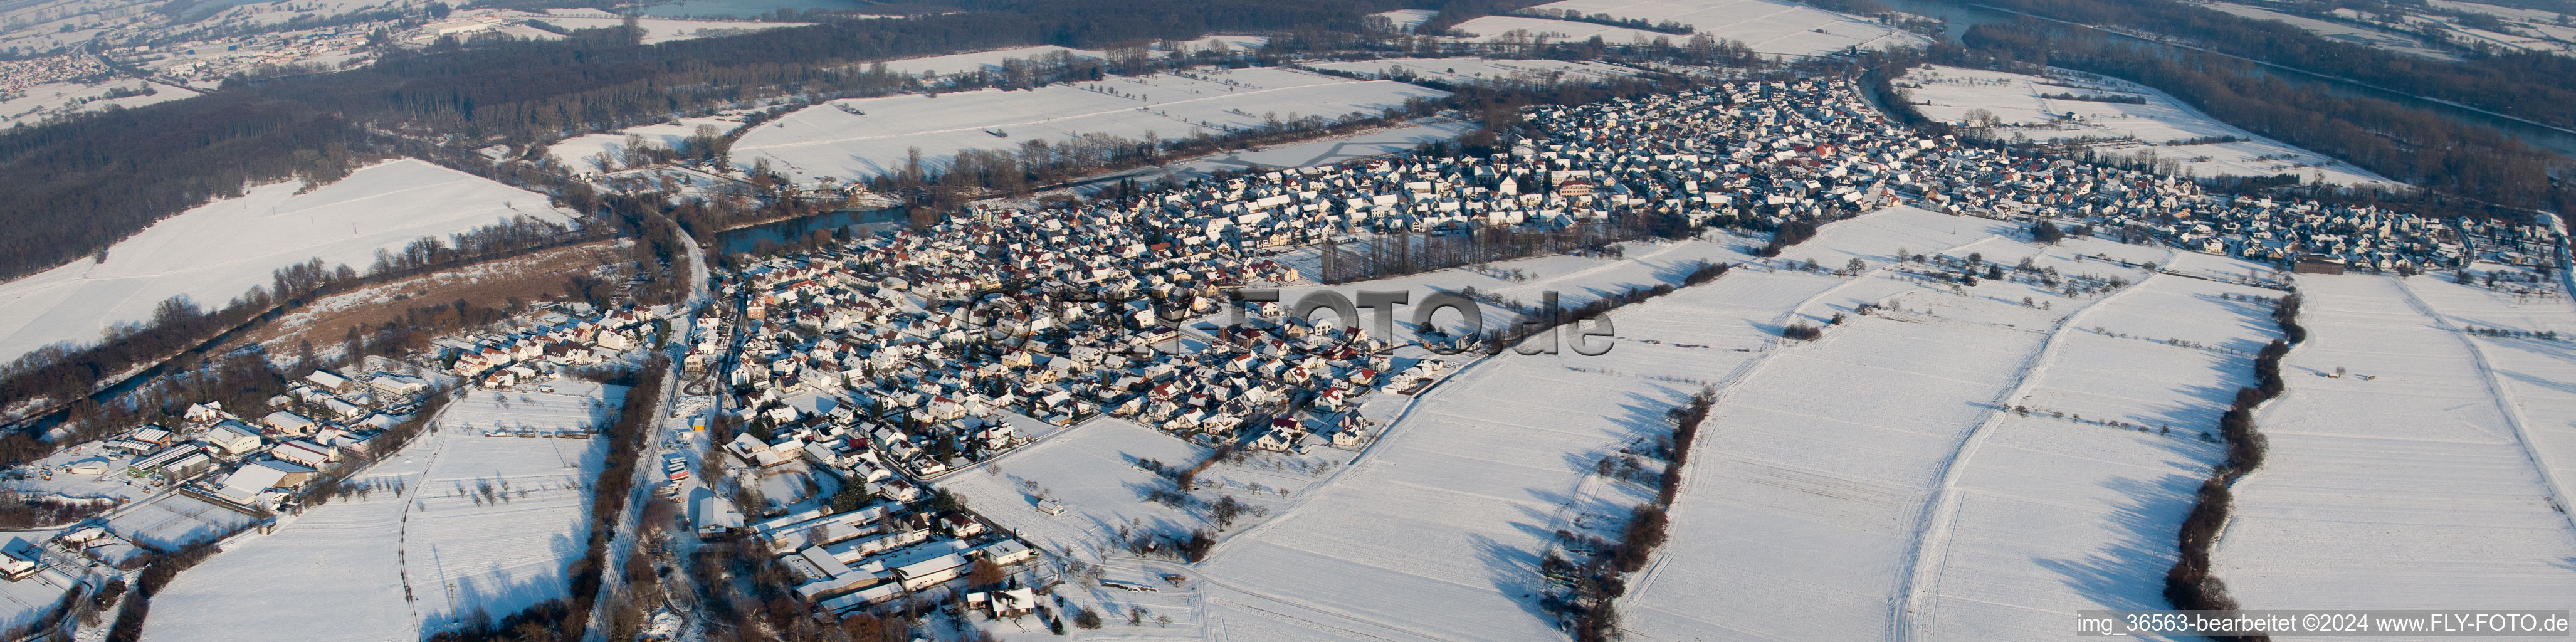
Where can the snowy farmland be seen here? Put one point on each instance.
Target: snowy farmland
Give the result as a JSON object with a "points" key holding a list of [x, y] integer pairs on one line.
{"points": [[2015, 100], [1480, 69], [1454, 505], [867, 137], [215, 252], [579, 152], [1767, 26], [485, 524], [2433, 476], [2062, 509]]}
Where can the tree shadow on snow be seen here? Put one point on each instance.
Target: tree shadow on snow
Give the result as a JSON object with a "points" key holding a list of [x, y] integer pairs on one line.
{"points": [[2128, 572]]}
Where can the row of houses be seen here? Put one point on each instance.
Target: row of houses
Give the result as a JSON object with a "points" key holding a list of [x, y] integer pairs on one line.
{"points": [[547, 342]]}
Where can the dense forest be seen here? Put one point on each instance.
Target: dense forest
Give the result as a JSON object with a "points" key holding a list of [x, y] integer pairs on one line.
{"points": [[2535, 86], [2400, 142]]}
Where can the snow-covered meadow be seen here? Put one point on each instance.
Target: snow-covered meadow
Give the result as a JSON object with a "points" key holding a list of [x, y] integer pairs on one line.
{"points": [[217, 251], [1455, 504], [393, 566], [860, 138], [1481, 69], [2046, 513], [2432, 475], [1767, 26], [578, 152], [2017, 102]]}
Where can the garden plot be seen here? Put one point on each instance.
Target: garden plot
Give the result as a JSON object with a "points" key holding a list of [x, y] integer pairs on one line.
{"points": [[1767, 26], [1951, 93], [2072, 506], [392, 567], [850, 139], [2411, 481], [215, 252]]}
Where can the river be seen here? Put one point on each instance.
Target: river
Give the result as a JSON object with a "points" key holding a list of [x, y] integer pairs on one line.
{"points": [[869, 221], [1962, 16]]}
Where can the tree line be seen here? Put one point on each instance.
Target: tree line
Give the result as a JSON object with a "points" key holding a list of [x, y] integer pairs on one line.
{"points": [[2189, 583]]}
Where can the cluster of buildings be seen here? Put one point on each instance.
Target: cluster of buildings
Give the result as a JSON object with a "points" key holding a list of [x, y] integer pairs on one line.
{"points": [[16, 76], [1786, 150], [203, 61], [259, 462], [548, 342], [883, 552]]}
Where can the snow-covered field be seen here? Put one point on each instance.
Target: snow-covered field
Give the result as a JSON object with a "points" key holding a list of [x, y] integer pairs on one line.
{"points": [[974, 61], [2339, 31], [394, 566], [1407, 19], [2439, 481], [832, 140], [1475, 69], [2015, 100], [2050, 515], [217, 251], [1453, 506], [54, 99], [1798, 459], [174, 519], [1091, 470], [656, 30], [578, 151], [1767, 26]]}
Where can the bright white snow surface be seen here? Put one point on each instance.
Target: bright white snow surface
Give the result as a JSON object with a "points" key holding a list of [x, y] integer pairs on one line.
{"points": [[830, 140], [578, 151], [2434, 483], [174, 520], [217, 251], [2045, 515], [1457, 501], [1475, 69], [1949, 93], [1767, 26], [389, 568]]}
